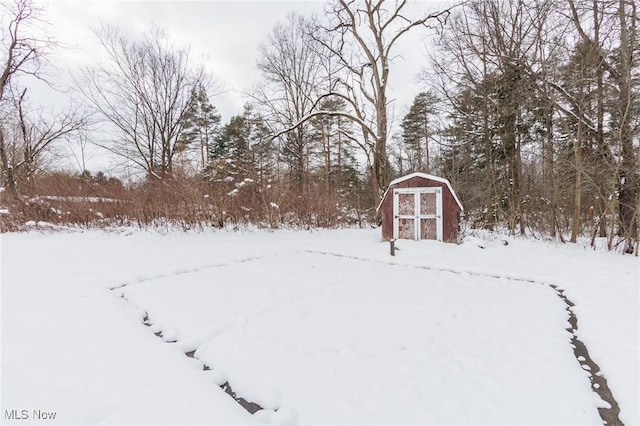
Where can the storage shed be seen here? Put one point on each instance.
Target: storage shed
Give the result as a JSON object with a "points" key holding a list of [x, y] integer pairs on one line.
{"points": [[420, 207]]}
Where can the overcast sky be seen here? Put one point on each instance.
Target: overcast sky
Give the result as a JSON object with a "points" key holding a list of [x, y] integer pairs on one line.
{"points": [[226, 33]]}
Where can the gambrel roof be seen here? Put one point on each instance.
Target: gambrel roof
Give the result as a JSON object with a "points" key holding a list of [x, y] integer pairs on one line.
{"points": [[424, 176]]}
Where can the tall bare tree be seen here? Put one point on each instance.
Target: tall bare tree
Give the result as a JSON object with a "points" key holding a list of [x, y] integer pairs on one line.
{"points": [[26, 135], [21, 54], [144, 93], [292, 74], [364, 35]]}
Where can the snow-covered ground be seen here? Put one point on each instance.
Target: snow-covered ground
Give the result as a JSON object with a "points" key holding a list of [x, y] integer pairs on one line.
{"points": [[319, 327]]}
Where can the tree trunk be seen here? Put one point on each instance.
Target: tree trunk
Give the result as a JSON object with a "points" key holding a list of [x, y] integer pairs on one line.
{"points": [[339, 159], [10, 182], [379, 179], [508, 138], [548, 179], [577, 153], [380, 151], [628, 172], [602, 223], [518, 185], [326, 140]]}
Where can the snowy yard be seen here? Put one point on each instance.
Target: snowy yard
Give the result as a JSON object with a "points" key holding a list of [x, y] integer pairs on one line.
{"points": [[318, 327]]}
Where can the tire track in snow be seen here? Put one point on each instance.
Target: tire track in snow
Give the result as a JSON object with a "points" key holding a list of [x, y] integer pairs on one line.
{"points": [[250, 406], [191, 270], [610, 415]]}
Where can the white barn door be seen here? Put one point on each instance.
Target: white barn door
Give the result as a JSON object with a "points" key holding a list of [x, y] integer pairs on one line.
{"points": [[417, 213]]}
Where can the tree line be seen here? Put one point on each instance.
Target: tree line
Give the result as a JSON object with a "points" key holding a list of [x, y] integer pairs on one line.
{"points": [[529, 108], [541, 125]]}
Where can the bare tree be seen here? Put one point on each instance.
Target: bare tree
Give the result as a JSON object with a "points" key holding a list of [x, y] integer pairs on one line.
{"points": [[30, 139], [620, 68], [292, 74], [77, 146], [545, 77], [489, 58], [629, 176], [144, 93], [21, 54], [462, 75], [24, 42], [364, 37], [26, 135]]}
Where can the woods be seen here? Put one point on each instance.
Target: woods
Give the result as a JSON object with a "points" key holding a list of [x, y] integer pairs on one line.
{"points": [[529, 108], [546, 126]]}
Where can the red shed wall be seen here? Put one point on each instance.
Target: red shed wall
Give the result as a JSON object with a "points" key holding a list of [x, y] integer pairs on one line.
{"points": [[450, 208]]}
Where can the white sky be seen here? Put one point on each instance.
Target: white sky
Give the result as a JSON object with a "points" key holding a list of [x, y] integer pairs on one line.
{"points": [[225, 33]]}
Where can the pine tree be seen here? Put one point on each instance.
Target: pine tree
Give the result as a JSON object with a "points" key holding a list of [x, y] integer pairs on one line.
{"points": [[417, 129], [201, 125], [333, 135], [243, 149]]}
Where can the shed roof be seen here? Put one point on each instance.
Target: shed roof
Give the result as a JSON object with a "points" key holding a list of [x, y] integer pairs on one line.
{"points": [[424, 176]]}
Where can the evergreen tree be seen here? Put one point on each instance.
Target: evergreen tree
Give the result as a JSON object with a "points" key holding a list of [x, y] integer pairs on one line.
{"points": [[417, 129], [471, 153], [243, 149], [333, 135], [201, 125]]}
